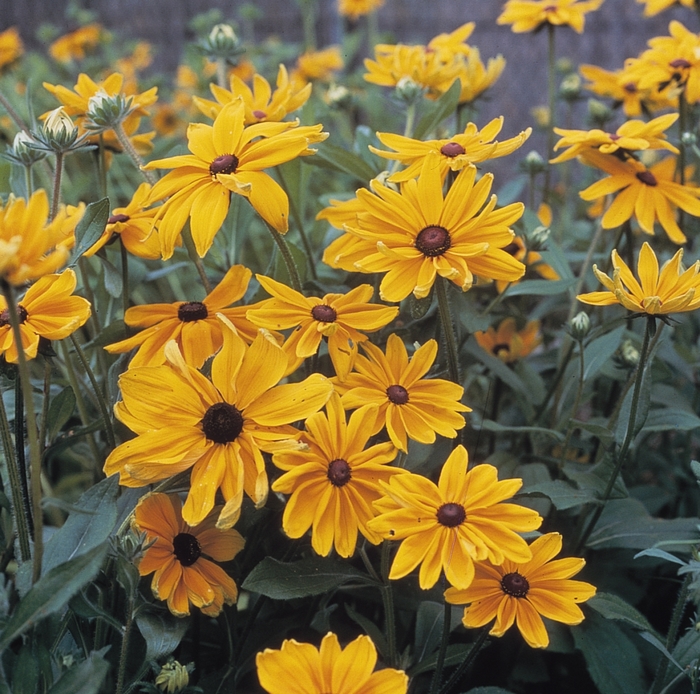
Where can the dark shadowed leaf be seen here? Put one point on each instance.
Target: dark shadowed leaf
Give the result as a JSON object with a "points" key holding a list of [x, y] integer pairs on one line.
{"points": [[85, 678], [614, 607], [90, 227], [162, 633]]}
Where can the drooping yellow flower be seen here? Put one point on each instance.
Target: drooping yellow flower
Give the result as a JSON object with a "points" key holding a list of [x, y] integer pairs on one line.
{"points": [[192, 324], [450, 526], [654, 7], [530, 15], [261, 103], [316, 66], [476, 77], [300, 668], [454, 43], [11, 46], [173, 677], [410, 406], [648, 194], [507, 342], [531, 259], [76, 44], [226, 158], [334, 479], [670, 291], [418, 234], [354, 9], [180, 556], [519, 592], [47, 310], [218, 428], [452, 153], [342, 318]]}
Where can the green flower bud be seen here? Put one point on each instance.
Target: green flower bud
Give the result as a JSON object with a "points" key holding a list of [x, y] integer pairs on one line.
{"points": [[408, 91], [533, 163], [570, 87], [105, 111], [580, 326], [222, 44], [23, 150], [338, 96], [59, 129], [537, 238], [628, 354], [598, 113]]}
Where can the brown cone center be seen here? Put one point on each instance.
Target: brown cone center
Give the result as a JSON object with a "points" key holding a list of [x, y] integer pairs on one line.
{"points": [[5, 315], [260, 114], [339, 472], [397, 394], [515, 585], [225, 164], [186, 548], [433, 241], [511, 248], [452, 149], [648, 178], [679, 63], [115, 218], [451, 515], [191, 311], [222, 423], [324, 313]]}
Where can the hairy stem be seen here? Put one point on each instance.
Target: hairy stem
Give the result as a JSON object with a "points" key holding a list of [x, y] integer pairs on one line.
{"points": [[135, 157], [388, 602]]}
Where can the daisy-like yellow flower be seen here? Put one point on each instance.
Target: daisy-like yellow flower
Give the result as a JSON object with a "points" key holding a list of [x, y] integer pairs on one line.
{"points": [[354, 9], [218, 428], [167, 120], [76, 44], [418, 234], [300, 668], [11, 46], [226, 158], [410, 406], [476, 77], [449, 526], [451, 153], [507, 342], [180, 557], [669, 291], [530, 15], [630, 136], [454, 43], [316, 66], [649, 194], [339, 317], [261, 103], [524, 592], [531, 259], [192, 324], [334, 479], [47, 310], [654, 7]]}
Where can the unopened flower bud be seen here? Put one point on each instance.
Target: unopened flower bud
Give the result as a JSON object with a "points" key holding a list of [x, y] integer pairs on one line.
{"points": [[533, 163], [629, 354], [59, 128], [537, 238], [222, 44], [105, 110], [689, 139], [580, 326], [408, 90], [570, 87], [598, 113], [541, 115], [338, 96], [173, 677], [23, 150], [383, 178]]}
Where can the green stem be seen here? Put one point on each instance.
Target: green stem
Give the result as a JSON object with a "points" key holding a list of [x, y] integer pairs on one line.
{"points": [[28, 180], [388, 602], [93, 320], [221, 72], [135, 157], [125, 275], [552, 93], [292, 269], [102, 166], [19, 448], [57, 177], [19, 122], [555, 382], [194, 257], [440, 662], [368, 564], [43, 425], [577, 402], [464, 665], [125, 644], [308, 15], [448, 329]]}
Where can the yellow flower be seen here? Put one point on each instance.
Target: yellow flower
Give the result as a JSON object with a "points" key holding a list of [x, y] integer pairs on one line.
{"points": [[454, 43], [226, 157], [354, 9], [631, 135], [217, 428], [300, 668], [410, 406], [449, 526], [452, 153], [47, 310], [192, 324], [417, 234], [11, 46], [507, 343], [647, 194], [654, 7], [184, 575], [167, 121], [173, 677], [530, 15], [670, 291], [476, 77], [334, 477], [531, 259], [338, 317], [261, 103], [75, 45], [316, 66]]}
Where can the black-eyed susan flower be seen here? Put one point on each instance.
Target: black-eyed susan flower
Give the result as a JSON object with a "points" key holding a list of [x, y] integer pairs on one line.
{"points": [[301, 668], [409, 405], [475, 77], [354, 9], [218, 428], [669, 291], [522, 593], [180, 557], [530, 15], [417, 234], [316, 66], [507, 342], [192, 324], [226, 158], [654, 7], [531, 259], [74, 45], [447, 45], [342, 318], [334, 479], [450, 526], [11, 46]]}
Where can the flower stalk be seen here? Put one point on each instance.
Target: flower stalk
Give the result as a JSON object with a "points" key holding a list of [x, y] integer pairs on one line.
{"points": [[444, 640], [388, 602], [467, 662], [292, 269], [448, 329], [135, 157]]}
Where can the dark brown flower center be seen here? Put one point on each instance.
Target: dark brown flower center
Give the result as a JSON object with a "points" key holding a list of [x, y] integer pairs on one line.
{"points": [[679, 63], [339, 472], [451, 515], [515, 585], [324, 313], [225, 164], [648, 178], [397, 394], [5, 315], [614, 137], [118, 218], [186, 548], [630, 88], [501, 347], [191, 311], [452, 149], [260, 114], [222, 423], [433, 241], [512, 248]]}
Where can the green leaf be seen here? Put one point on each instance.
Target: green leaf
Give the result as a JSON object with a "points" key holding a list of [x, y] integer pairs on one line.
{"points": [[51, 592], [331, 156], [90, 227], [671, 419], [456, 653], [371, 629], [113, 281], [438, 111], [660, 554], [25, 675], [560, 493], [613, 607], [687, 650], [489, 690], [595, 480], [87, 610], [599, 431], [539, 287], [162, 633], [60, 411], [284, 581], [598, 351], [85, 678], [497, 367], [490, 425]]}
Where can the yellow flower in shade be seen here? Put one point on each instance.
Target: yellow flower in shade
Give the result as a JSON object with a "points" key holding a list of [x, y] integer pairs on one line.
{"points": [[261, 103], [76, 44], [449, 526], [454, 43], [11, 46], [654, 7], [531, 259], [410, 406], [669, 291], [29, 246], [180, 556], [519, 592], [507, 343], [418, 234], [47, 310], [451, 153], [649, 194], [476, 77], [334, 479], [192, 324], [133, 224], [530, 15], [218, 428], [354, 9], [226, 158], [173, 677], [300, 668], [316, 66], [630, 136], [167, 121], [338, 317]]}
